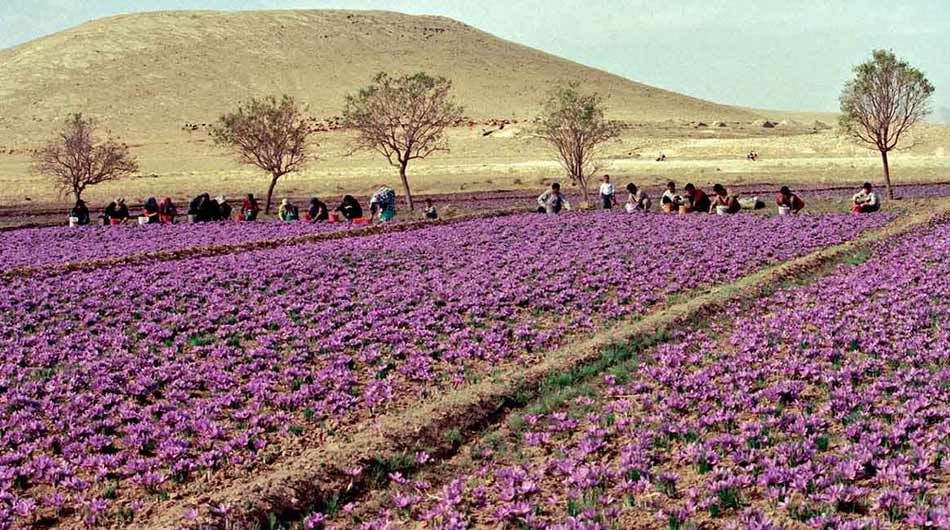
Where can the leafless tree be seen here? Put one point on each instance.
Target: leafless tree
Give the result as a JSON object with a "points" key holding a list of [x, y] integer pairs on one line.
{"points": [[885, 99], [272, 134], [574, 125], [403, 118], [75, 160]]}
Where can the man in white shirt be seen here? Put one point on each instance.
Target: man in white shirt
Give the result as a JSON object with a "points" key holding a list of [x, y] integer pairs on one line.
{"points": [[671, 200], [607, 192], [866, 200]]}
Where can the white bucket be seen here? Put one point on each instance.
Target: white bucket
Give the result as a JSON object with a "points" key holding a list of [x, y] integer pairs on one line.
{"points": [[73, 221], [784, 210], [143, 220], [722, 210]]}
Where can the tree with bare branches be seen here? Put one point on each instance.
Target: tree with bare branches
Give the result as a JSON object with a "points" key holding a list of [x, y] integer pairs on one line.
{"points": [[272, 134], [573, 123], [76, 160], [885, 99], [403, 118]]}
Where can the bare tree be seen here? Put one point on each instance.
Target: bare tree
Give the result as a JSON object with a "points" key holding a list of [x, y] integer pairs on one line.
{"points": [[885, 99], [75, 160], [272, 134], [402, 118], [573, 124]]}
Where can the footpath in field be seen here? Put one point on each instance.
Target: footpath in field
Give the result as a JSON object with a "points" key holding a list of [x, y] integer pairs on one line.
{"points": [[824, 406], [185, 373]]}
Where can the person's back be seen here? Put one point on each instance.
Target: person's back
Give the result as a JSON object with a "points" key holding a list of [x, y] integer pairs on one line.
{"points": [[350, 208], [224, 209], [167, 211], [80, 212]]}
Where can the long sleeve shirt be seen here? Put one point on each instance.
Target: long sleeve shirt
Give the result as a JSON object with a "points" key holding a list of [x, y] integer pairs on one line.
{"points": [[553, 202], [866, 198]]}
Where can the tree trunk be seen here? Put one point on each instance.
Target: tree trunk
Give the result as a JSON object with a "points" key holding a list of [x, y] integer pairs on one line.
{"points": [[887, 175], [405, 184], [270, 193], [77, 193]]}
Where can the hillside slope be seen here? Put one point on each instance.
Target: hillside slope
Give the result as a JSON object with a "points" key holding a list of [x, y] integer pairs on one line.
{"points": [[146, 75]]}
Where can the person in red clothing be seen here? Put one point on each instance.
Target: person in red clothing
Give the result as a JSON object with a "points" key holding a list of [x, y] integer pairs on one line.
{"points": [[250, 209], [697, 199], [789, 200]]}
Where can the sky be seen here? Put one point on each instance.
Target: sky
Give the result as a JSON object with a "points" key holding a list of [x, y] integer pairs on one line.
{"points": [[772, 54]]}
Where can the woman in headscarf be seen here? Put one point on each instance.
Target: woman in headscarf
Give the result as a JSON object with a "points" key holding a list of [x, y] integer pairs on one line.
{"points": [[80, 212], [317, 211], [151, 211], [167, 211], [350, 208]]}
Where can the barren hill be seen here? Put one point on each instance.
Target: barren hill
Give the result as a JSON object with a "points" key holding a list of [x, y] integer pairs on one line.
{"points": [[146, 75]]}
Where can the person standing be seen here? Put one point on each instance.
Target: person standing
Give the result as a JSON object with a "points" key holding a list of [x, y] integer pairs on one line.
{"points": [[383, 202], [607, 193], [787, 199], [866, 200], [552, 201]]}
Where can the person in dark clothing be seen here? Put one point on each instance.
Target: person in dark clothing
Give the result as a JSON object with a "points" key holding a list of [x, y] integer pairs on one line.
{"points": [[224, 209], [195, 204], [350, 208], [431, 213], [116, 212], [150, 211], [250, 209], [80, 212], [317, 211], [208, 211], [699, 201]]}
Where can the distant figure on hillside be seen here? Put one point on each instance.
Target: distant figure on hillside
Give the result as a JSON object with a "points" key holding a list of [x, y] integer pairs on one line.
{"points": [[80, 212], [721, 198], [287, 211], [431, 213], [696, 200], [661, 157], [250, 209], [552, 201], [789, 200], [383, 203], [866, 200], [167, 211], [637, 199], [752, 156], [150, 211], [116, 212], [350, 208], [317, 211], [224, 209], [671, 201], [607, 193]]}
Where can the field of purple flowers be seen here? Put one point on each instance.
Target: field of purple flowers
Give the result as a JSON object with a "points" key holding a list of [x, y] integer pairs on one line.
{"points": [[55, 245], [825, 406], [116, 384]]}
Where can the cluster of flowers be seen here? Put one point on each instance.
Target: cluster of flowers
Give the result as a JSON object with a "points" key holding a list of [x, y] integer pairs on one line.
{"points": [[124, 380], [826, 407], [32, 247]]}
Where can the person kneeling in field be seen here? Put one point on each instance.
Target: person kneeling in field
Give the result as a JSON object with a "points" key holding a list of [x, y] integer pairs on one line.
{"points": [[787, 199], [250, 209], [722, 198], [671, 200], [167, 211], [317, 211], [350, 208], [287, 211], [552, 201], [637, 199], [383, 202], [80, 212], [866, 200], [116, 212], [696, 200], [431, 213]]}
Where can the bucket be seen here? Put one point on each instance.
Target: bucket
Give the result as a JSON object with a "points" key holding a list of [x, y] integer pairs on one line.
{"points": [[73, 221], [784, 210], [361, 220], [143, 220], [722, 210]]}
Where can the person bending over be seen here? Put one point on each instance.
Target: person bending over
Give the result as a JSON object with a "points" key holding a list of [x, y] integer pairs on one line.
{"points": [[317, 211], [866, 200], [637, 199], [671, 200], [552, 201], [431, 213], [250, 209], [696, 199], [787, 199], [383, 203], [350, 208], [721, 197], [80, 212]]}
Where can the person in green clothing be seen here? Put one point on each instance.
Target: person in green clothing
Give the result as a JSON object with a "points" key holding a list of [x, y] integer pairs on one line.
{"points": [[383, 203]]}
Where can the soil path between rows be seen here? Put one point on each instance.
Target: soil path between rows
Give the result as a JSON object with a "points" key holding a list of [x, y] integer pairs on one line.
{"points": [[292, 486]]}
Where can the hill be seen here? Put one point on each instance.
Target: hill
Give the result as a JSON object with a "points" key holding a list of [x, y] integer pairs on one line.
{"points": [[147, 75]]}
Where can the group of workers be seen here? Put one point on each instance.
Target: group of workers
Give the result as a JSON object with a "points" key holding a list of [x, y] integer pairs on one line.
{"points": [[204, 208], [693, 199]]}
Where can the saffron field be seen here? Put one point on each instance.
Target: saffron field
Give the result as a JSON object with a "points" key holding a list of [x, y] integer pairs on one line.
{"points": [[825, 405]]}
